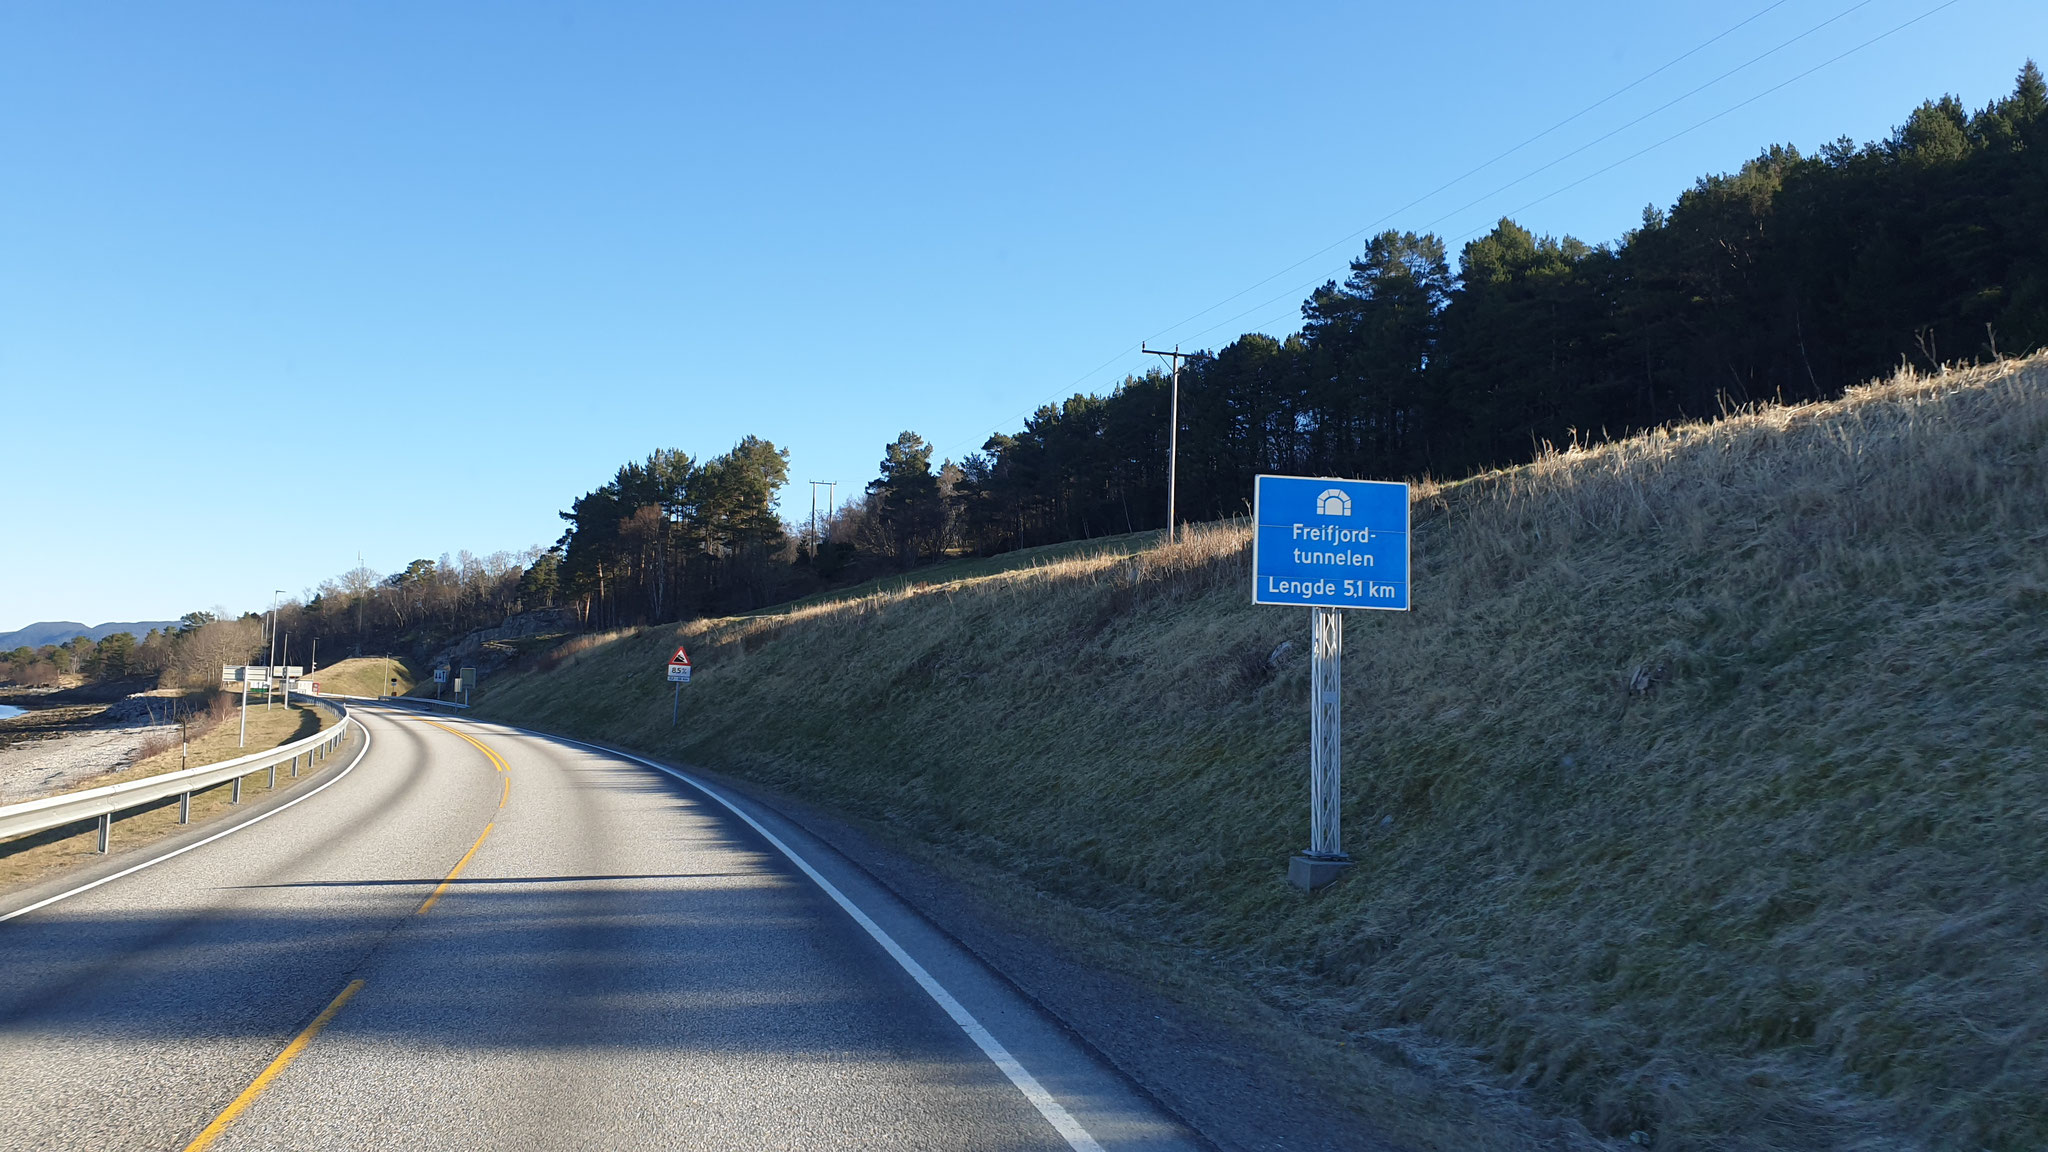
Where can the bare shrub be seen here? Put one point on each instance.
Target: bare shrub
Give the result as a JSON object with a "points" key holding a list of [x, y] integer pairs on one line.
{"points": [[195, 660], [201, 713]]}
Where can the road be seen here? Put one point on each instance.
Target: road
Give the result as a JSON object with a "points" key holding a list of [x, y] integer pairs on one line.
{"points": [[475, 937]]}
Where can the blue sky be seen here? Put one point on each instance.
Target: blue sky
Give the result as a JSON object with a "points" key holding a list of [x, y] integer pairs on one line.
{"points": [[282, 283]]}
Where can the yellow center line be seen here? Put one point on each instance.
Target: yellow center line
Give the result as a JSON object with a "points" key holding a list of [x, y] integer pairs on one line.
{"points": [[291, 1052], [504, 794], [450, 879], [497, 761]]}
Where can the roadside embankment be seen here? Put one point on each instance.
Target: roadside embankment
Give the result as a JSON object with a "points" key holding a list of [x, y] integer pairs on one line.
{"points": [[1700, 800]]}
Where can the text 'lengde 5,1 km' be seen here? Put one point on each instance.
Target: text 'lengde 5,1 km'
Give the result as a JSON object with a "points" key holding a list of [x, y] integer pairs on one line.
{"points": [[1330, 543]]}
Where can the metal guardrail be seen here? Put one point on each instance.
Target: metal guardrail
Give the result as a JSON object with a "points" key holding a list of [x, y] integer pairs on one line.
{"points": [[106, 802]]}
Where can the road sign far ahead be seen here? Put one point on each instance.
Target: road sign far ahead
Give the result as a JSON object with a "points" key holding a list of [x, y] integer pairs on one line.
{"points": [[1330, 543]]}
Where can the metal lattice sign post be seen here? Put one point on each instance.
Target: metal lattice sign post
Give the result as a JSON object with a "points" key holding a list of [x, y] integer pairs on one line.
{"points": [[1329, 545]]}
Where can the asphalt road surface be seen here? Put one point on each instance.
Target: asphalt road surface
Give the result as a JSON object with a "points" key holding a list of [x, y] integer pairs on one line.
{"points": [[474, 937]]}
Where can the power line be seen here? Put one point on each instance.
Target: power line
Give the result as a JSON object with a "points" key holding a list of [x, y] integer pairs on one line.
{"points": [[1296, 292], [1654, 111], [1083, 378], [1453, 182], [1269, 302], [1618, 92], [1838, 57], [1735, 108]]}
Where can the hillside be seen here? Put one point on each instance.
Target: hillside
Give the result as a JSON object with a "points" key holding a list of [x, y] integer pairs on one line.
{"points": [[364, 676], [60, 631], [1701, 798]]}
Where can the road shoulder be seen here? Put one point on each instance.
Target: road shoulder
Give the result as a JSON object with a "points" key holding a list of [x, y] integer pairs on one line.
{"points": [[1238, 1071]]}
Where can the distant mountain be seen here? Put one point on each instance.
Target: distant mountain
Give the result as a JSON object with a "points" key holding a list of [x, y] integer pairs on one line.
{"points": [[58, 631]]}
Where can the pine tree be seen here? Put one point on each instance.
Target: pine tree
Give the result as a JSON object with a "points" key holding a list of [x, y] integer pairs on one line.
{"points": [[909, 503]]}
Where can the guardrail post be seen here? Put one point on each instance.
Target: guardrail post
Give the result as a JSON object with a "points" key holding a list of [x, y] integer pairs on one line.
{"points": [[235, 797], [295, 765], [184, 807], [106, 830], [273, 777]]}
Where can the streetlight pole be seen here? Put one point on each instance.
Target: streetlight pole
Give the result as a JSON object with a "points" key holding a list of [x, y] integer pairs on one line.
{"points": [[269, 689], [1172, 435]]}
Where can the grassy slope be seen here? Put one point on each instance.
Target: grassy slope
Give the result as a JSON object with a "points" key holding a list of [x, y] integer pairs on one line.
{"points": [[362, 676], [1793, 895], [970, 568]]}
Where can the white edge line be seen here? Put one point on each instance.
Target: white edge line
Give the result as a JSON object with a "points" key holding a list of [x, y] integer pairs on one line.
{"points": [[258, 819], [1055, 1114]]}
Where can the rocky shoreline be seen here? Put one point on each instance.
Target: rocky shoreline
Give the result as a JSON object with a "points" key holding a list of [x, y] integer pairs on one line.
{"points": [[68, 737]]}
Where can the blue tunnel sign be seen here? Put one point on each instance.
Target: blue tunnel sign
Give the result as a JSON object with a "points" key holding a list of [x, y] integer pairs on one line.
{"points": [[1330, 543]]}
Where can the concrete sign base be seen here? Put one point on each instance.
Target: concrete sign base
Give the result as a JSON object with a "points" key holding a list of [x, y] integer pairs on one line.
{"points": [[1309, 873]]}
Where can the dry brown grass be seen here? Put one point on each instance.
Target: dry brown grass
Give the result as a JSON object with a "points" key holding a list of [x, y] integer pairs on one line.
{"points": [[363, 676], [1700, 798], [569, 651]]}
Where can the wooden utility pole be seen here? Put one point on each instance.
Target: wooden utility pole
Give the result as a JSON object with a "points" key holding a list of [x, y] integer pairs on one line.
{"points": [[831, 493], [1172, 435]]}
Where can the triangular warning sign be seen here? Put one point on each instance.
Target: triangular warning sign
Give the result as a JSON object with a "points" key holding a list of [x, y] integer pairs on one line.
{"points": [[681, 657]]}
